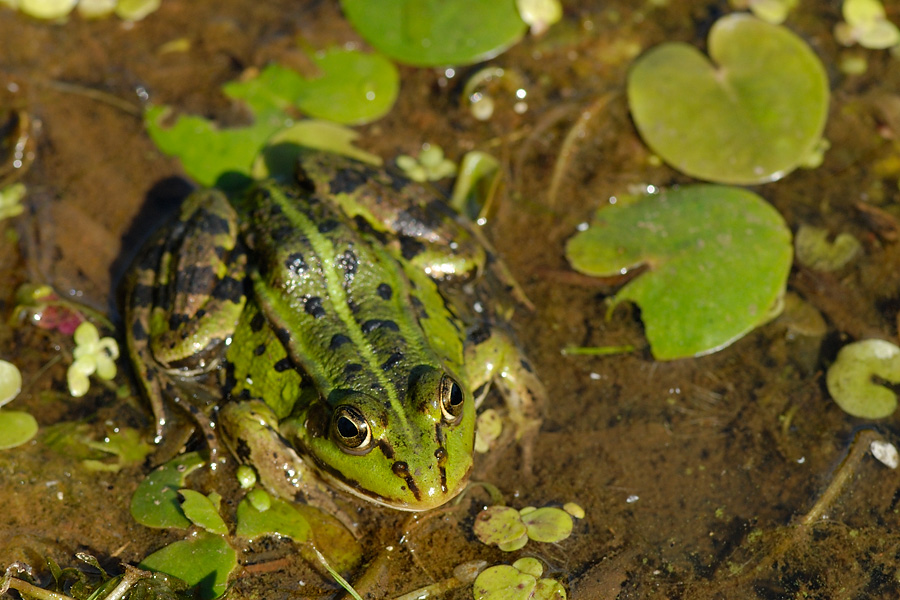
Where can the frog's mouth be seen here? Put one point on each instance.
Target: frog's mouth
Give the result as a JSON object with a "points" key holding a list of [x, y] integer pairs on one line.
{"points": [[421, 500]]}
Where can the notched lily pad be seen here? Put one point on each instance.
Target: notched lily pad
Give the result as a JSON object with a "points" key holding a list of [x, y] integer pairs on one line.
{"points": [[155, 501], [851, 379], [205, 560], [432, 33], [16, 428], [751, 115], [202, 511], [280, 518], [501, 525], [817, 252], [717, 262]]}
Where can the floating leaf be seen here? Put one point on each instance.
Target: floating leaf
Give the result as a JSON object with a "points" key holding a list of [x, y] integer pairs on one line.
{"points": [[207, 152], [278, 158], [866, 24], [850, 378], [10, 382], [155, 501], [16, 428], [499, 525], [717, 262], [202, 512], [206, 560], [504, 582], [547, 524], [47, 9], [751, 117], [125, 443], [353, 88], [430, 33], [518, 581], [281, 518], [815, 251]]}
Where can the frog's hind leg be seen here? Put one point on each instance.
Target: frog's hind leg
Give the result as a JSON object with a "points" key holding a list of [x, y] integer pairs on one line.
{"points": [[492, 356], [183, 303]]}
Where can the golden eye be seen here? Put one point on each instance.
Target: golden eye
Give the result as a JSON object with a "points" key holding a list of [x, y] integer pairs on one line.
{"points": [[350, 429], [452, 399]]}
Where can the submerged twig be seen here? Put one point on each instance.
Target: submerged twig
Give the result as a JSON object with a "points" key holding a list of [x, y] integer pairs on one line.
{"points": [[567, 150]]}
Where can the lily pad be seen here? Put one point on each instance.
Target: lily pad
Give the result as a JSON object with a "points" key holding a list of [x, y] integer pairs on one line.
{"points": [[850, 378], [351, 87], [16, 428], [431, 33], [518, 581], [547, 524], [224, 156], [501, 525], [155, 501], [717, 262], [280, 518], [202, 511], [205, 560], [10, 381], [752, 115]]}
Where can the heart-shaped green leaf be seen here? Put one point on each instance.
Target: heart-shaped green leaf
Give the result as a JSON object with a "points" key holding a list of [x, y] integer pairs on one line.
{"points": [[752, 115], [205, 560], [718, 259], [851, 379], [430, 33]]}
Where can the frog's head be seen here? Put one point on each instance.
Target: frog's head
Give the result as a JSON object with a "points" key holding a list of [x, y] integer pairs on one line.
{"points": [[409, 453]]}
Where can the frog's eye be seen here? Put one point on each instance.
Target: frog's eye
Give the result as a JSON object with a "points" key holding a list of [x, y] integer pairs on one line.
{"points": [[452, 398], [351, 430]]}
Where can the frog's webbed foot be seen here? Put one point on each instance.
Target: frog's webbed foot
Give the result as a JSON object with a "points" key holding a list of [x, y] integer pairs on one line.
{"points": [[493, 356], [175, 427]]}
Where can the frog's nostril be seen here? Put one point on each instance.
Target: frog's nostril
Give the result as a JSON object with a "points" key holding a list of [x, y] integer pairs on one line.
{"points": [[400, 469]]}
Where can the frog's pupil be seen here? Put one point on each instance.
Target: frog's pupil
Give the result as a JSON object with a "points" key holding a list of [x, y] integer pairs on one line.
{"points": [[347, 428], [456, 395]]}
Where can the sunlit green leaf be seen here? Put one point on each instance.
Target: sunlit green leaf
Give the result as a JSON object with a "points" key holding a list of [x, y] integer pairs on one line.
{"points": [[437, 32], [717, 262], [205, 560], [851, 378], [751, 115], [207, 152], [278, 158], [202, 512], [281, 518], [504, 582], [16, 428], [155, 501], [548, 524], [499, 525], [10, 381]]}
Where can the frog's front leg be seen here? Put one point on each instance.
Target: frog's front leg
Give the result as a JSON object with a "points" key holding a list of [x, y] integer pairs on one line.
{"points": [[492, 356], [183, 303], [251, 431]]}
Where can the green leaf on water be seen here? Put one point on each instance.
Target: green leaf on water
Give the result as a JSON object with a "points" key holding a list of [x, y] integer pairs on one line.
{"points": [[155, 501], [431, 33], [751, 115], [850, 378], [281, 518], [717, 261], [205, 560], [16, 428], [352, 87], [202, 511]]}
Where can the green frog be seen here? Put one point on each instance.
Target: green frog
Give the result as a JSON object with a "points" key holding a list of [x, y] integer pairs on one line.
{"points": [[333, 330]]}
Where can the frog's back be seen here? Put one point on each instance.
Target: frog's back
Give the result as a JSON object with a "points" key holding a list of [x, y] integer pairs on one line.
{"points": [[314, 272]]}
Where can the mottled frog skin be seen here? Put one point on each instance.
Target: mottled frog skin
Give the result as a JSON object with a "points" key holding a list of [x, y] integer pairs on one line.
{"points": [[323, 327]]}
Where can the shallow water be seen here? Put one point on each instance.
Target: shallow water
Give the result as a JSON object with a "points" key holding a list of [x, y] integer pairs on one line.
{"points": [[701, 478]]}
